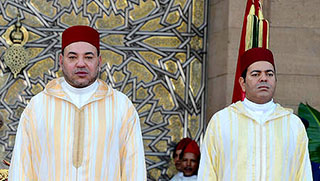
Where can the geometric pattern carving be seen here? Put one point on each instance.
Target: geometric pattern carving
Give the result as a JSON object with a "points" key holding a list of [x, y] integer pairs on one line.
{"points": [[153, 51]]}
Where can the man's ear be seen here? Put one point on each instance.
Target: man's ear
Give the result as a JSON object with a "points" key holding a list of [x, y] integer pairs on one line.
{"points": [[60, 59], [242, 84], [100, 60]]}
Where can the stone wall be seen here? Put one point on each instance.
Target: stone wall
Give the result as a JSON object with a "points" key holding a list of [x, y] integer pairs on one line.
{"points": [[294, 40]]}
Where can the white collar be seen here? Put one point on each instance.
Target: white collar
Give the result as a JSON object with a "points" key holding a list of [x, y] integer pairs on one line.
{"points": [[258, 107], [83, 90], [79, 96], [260, 112]]}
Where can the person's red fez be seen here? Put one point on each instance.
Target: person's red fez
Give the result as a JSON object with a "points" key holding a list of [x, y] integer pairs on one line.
{"points": [[192, 147], [183, 143], [80, 33], [255, 55]]}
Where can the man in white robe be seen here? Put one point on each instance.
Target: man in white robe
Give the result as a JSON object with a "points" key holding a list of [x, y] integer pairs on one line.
{"points": [[255, 139], [79, 128]]}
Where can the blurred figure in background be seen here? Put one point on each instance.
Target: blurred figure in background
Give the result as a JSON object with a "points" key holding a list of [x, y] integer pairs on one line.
{"points": [[177, 154], [190, 157]]}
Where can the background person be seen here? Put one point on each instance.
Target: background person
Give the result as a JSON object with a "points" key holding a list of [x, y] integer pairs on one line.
{"points": [[177, 154], [189, 163]]}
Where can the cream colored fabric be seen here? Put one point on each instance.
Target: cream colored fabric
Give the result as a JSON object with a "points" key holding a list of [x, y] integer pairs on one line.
{"points": [[58, 141], [237, 147]]}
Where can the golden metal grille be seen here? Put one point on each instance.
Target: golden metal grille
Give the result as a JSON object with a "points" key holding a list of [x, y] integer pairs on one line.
{"points": [[153, 50]]}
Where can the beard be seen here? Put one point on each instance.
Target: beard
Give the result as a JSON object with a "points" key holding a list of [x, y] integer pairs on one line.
{"points": [[79, 84]]}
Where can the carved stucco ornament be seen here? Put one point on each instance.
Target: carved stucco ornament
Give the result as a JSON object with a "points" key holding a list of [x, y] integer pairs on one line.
{"points": [[16, 56]]}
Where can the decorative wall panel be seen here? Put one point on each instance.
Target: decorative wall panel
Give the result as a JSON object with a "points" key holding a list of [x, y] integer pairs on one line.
{"points": [[153, 50]]}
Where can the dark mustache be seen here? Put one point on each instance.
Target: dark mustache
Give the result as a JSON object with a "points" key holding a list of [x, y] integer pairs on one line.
{"points": [[81, 70], [265, 84], [188, 168]]}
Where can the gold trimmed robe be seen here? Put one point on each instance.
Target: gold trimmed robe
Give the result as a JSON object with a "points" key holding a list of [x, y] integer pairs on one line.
{"points": [[237, 147], [57, 141]]}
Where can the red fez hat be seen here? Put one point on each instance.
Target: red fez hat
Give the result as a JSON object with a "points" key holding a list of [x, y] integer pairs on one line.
{"points": [[255, 55], [183, 143], [192, 147], [80, 33]]}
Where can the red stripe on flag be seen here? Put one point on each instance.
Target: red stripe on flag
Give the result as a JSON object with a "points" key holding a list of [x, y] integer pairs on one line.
{"points": [[257, 7], [238, 94], [265, 34]]}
